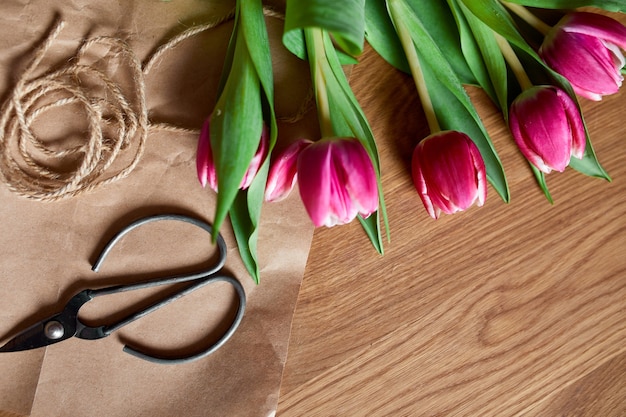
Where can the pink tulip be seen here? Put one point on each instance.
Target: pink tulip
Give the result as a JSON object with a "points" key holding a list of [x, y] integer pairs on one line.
{"points": [[547, 127], [586, 48], [204, 159], [448, 173], [337, 181], [283, 171]]}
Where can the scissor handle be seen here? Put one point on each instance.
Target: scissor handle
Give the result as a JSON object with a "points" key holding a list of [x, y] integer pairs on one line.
{"points": [[221, 245], [231, 330], [201, 279]]}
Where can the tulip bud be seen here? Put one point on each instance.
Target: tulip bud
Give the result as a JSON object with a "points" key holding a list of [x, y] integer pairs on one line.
{"points": [[204, 159], [448, 173], [283, 171], [547, 127], [337, 181], [586, 48]]}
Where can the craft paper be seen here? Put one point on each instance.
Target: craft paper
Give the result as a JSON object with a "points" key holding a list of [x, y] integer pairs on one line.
{"points": [[48, 246]]}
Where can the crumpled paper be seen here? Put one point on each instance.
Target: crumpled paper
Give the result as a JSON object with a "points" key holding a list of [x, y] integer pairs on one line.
{"points": [[48, 247]]}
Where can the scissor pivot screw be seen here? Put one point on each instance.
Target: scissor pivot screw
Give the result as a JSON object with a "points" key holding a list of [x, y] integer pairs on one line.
{"points": [[54, 330]]}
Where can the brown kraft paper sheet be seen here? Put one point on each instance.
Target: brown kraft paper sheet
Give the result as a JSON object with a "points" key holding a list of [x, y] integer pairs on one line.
{"points": [[48, 246]]}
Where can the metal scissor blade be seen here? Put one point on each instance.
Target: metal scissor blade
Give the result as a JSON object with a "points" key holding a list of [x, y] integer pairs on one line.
{"points": [[28, 339], [41, 334]]}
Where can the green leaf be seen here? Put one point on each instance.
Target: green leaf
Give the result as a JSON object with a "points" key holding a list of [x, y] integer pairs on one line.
{"points": [[236, 125], [451, 103], [495, 16], [244, 217], [541, 180], [438, 21], [609, 5], [471, 49], [371, 226], [492, 59], [344, 19], [589, 164], [243, 230], [294, 42], [258, 45], [257, 42], [381, 35]]}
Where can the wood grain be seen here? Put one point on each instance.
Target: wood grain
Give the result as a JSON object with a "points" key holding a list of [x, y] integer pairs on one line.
{"points": [[505, 310], [9, 414]]}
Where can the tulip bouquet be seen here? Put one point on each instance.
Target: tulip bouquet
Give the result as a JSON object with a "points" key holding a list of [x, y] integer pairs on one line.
{"points": [[444, 45]]}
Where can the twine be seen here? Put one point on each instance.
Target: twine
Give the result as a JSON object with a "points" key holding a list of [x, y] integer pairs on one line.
{"points": [[35, 169]]}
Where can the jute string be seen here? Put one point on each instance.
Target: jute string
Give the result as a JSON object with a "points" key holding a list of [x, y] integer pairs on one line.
{"points": [[117, 122]]}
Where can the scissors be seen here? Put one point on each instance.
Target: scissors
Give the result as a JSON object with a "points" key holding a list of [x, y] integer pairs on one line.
{"points": [[66, 324]]}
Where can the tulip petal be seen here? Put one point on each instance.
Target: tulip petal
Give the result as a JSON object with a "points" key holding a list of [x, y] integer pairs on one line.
{"points": [[550, 134], [519, 136], [586, 48], [451, 170], [341, 210], [588, 65], [420, 184], [577, 128], [597, 26], [201, 157], [541, 128], [481, 175], [431, 169], [547, 127], [359, 175], [283, 171], [205, 166], [618, 56], [204, 158], [314, 182], [257, 160], [337, 181], [449, 173]]}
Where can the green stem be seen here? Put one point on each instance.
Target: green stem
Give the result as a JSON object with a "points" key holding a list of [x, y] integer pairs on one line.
{"points": [[415, 66], [511, 58], [528, 17], [318, 62]]}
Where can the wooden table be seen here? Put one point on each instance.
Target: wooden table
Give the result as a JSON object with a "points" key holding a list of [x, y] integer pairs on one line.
{"points": [[505, 310]]}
